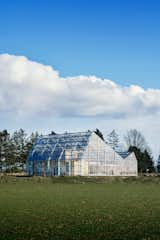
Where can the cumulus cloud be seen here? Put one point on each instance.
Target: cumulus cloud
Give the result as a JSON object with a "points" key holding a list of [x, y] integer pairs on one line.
{"points": [[28, 87]]}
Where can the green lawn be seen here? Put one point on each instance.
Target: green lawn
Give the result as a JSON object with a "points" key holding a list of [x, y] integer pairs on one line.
{"points": [[79, 209]]}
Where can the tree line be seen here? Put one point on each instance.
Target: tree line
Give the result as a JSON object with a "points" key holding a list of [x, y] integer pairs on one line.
{"points": [[15, 147]]}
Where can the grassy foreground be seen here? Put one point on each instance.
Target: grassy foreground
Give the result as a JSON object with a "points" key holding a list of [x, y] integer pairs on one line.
{"points": [[79, 208]]}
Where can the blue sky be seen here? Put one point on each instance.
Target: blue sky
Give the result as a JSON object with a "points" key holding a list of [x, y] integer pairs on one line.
{"points": [[115, 39], [109, 39]]}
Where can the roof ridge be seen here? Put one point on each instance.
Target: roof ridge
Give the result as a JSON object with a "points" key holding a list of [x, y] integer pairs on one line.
{"points": [[67, 133]]}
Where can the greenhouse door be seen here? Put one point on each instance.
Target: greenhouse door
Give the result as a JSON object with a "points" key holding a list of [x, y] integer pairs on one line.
{"points": [[67, 168]]}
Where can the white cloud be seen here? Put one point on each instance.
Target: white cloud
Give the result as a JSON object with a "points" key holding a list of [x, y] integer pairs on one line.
{"points": [[28, 87], [35, 96]]}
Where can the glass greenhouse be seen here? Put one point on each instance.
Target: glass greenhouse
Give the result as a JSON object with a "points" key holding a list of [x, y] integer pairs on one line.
{"points": [[83, 153]]}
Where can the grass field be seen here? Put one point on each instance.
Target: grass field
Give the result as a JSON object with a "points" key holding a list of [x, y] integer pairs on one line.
{"points": [[78, 208]]}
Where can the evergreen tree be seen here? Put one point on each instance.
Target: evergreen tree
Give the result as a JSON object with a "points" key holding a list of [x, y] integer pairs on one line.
{"points": [[99, 133], [31, 140], [4, 136], [113, 140], [9, 156], [145, 160], [52, 133], [158, 164], [20, 140]]}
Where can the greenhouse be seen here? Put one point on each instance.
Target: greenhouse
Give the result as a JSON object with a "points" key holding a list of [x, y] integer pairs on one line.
{"points": [[83, 154]]}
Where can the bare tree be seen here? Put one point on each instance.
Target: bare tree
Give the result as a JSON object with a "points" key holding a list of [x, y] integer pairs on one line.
{"points": [[134, 138]]}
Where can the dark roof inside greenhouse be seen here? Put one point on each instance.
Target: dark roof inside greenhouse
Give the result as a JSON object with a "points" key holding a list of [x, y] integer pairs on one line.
{"points": [[54, 146]]}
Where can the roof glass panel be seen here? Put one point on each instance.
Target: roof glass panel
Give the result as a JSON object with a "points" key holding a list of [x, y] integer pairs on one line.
{"points": [[54, 146]]}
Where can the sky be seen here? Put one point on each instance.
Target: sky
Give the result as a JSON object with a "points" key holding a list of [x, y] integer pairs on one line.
{"points": [[74, 65]]}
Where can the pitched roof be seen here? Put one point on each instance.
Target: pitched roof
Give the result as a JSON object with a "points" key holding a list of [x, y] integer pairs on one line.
{"points": [[53, 146]]}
